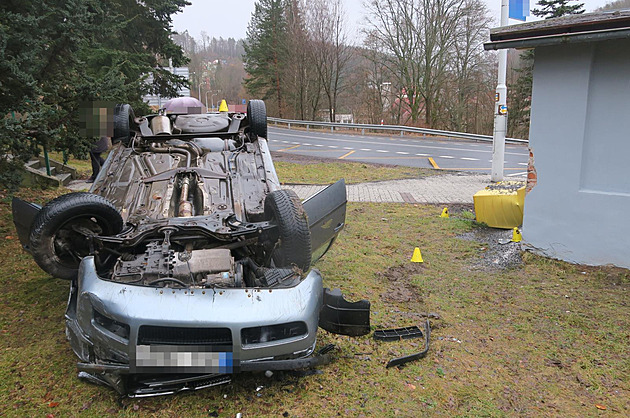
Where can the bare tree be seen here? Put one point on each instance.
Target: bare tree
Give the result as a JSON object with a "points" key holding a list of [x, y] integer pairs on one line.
{"points": [[394, 26], [468, 68], [375, 81], [302, 83], [431, 48], [329, 47]]}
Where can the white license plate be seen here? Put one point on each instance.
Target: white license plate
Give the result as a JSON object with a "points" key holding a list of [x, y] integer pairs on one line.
{"points": [[181, 359]]}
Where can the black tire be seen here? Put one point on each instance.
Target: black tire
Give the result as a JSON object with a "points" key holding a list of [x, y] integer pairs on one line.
{"points": [[123, 121], [58, 248], [283, 207], [257, 115]]}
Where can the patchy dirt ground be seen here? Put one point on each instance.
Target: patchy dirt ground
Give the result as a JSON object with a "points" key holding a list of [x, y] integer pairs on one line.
{"points": [[498, 252], [399, 277]]}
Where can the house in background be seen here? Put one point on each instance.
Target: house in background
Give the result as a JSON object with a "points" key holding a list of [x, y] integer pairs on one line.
{"points": [[578, 209]]}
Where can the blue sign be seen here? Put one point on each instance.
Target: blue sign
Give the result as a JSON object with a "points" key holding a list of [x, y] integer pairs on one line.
{"points": [[519, 9], [244, 101]]}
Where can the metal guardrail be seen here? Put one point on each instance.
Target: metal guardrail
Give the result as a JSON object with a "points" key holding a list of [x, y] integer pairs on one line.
{"points": [[401, 129]]}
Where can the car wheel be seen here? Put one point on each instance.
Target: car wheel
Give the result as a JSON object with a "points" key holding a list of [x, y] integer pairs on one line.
{"points": [[123, 119], [284, 209], [257, 115], [58, 236]]}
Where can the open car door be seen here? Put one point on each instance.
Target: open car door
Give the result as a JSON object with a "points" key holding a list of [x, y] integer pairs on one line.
{"points": [[326, 212]]}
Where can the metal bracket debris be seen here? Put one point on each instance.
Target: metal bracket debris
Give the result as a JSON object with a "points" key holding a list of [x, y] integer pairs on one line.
{"points": [[405, 333]]}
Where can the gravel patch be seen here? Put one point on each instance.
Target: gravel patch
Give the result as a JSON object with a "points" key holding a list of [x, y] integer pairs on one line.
{"points": [[494, 255]]}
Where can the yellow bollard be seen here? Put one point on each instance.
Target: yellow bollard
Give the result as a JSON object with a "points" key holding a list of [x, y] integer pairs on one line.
{"points": [[444, 213], [417, 257]]}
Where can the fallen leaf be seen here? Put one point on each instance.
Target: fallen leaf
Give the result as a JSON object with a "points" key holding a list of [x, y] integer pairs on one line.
{"points": [[8, 237], [410, 386], [53, 404], [602, 407]]}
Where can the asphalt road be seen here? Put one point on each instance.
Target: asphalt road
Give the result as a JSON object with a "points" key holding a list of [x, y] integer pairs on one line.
{"points": [[446, 153]]}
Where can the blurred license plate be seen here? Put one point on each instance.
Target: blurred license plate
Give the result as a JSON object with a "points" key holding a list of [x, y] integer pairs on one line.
{"points": [[181, 359]]}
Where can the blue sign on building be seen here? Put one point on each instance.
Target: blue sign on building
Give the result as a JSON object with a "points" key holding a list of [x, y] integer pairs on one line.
{"points": [[519, 9]]}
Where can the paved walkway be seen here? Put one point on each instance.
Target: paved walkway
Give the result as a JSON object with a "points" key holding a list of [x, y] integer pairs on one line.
{"points": [[447, 188]]}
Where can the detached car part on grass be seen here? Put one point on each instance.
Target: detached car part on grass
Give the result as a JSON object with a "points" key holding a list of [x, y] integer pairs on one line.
{"points": [[187, 260]]}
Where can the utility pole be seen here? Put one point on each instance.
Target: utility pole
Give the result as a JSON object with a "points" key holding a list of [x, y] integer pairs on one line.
{"points": [[500, 107]]}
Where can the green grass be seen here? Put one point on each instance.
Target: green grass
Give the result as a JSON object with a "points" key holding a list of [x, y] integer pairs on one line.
{"points": [[546, 338], [317, 173], [325, 173], [83, 167]]}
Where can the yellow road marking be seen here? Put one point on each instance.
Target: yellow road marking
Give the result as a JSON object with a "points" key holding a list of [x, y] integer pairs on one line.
{"points": [[345, 155], [293, 147], [433, 163]]}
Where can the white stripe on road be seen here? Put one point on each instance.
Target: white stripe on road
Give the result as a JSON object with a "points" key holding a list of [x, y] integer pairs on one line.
{"points": [[517, 174], [414, 144], [446, 156], [469, 159], [402, 153]]}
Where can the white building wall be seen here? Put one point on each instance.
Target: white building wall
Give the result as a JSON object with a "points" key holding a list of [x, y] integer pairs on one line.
{"points": [[580, 137]]}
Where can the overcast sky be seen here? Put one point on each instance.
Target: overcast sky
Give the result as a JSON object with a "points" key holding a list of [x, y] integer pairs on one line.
{"points": [[229, 18]]}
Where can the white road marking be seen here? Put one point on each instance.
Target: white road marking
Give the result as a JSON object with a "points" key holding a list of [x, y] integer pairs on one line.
{"points": [[402, 153], [333, 146], [365, 149], [318, 145], [415, 143], [381, 150], [306, 144], [469, 159], [522, 163], [347, 148], [446, 156], [517, 174]]}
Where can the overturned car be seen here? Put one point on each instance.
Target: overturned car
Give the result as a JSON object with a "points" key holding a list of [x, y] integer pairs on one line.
{"points": [[186, 259]]}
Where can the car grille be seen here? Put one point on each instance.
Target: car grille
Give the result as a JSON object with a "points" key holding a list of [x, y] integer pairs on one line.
{"points": [[149, 334]]}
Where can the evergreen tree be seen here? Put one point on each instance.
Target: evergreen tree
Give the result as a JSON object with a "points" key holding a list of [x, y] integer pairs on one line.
{"points": [[521, 91], [266, 52], [556, 8], [57, 54]]}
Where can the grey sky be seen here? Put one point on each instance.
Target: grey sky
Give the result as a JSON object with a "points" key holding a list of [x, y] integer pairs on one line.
{"points": [[229, 18]]}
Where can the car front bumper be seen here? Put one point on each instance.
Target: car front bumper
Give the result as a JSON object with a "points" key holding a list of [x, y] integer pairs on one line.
{"points": [[259, 329]]}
